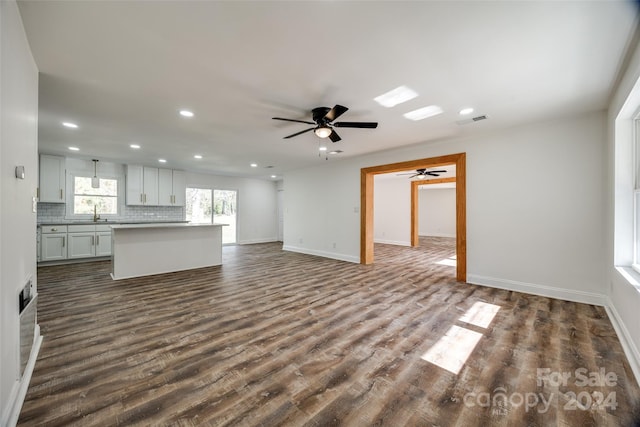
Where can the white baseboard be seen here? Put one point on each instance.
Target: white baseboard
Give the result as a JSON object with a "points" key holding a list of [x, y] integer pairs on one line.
{"points": [[392, 242], [325, 254], [629, 347], [254, 241], [436, 235], [541, 290], [19, 392]]}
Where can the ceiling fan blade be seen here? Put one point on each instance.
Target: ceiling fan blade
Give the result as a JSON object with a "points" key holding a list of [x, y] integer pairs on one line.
{"points": [[292, 120], [367, 125], [440, 171], [298, 133], [334, 137], [335, 112], [414, 175], [431, 174]]}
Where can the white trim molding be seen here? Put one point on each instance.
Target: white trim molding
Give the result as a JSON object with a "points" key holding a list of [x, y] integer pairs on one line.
{"points": [[540, 290], [392, 242], [325, 254], [628, 346], [19, 392]]}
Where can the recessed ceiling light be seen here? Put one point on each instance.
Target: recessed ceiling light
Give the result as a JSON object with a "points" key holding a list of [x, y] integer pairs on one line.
{"points": [[254, 165], [323, 148], [423, 113], [70, 125], [162, 160], [186, 113], [335, 152], [396, 96], [74, 149], [197, 156], [134, 146], [273, 176], [466, 111]]}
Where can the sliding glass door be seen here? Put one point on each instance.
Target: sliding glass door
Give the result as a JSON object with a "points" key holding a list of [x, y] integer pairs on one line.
{"points": [[206, 206], [225, 212]]}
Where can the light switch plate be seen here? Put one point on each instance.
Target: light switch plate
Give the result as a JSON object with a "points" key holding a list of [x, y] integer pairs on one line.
{"points": [[34, 204]]}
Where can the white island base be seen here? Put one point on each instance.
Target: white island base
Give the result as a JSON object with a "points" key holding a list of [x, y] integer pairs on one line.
{"points": [[145, 249]]}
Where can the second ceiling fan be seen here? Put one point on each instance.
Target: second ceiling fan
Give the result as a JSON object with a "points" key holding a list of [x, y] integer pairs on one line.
{"points": [[424, 173], [323, 118]]}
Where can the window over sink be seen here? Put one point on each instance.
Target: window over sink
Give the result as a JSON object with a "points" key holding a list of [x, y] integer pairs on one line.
{"points": [[86, 198]]}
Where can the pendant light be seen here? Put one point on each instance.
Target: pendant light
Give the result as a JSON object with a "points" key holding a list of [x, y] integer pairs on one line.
{"points": [[95, 181]]}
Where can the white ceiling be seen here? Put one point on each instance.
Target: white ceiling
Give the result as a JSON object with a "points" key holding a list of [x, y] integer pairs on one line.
{"points": [[122, 70]]}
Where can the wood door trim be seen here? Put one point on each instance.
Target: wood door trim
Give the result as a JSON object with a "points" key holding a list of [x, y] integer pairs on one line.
{"points": [[415, 186], [366, 204]]}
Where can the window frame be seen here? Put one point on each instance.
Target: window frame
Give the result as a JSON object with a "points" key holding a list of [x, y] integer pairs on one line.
{"points": [[70, 202], [636, 193]]}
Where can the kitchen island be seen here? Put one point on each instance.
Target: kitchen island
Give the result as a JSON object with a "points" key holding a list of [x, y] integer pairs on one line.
{"points": [[145, 249]]}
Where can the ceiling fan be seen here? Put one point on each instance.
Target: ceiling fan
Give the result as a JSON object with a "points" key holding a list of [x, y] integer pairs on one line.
{"points": [[323, 118], [423, 173]]}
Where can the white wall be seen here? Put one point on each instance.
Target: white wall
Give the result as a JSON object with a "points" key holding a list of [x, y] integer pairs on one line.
{"points": [[437, 212], [624, 297], [535, 223], [392, 211], [18, 146], [257, 204]]}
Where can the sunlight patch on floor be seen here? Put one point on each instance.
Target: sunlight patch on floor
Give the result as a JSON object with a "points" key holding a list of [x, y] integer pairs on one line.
{"points": [[480, 314], [453, 349]]}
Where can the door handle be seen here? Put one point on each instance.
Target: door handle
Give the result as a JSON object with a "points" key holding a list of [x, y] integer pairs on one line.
{"points": [[92, 240], [98, 239], [61, 194], [63, 239]]}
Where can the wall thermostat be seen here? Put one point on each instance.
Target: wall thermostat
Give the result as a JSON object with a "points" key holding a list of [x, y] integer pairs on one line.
{"points": [[20, 172]]}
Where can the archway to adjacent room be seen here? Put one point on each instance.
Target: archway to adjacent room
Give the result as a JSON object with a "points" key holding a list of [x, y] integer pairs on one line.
{"points": [[366, 199]]}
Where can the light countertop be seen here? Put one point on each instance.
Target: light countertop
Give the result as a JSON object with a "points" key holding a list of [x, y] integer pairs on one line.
{"points": [[162, 225]]}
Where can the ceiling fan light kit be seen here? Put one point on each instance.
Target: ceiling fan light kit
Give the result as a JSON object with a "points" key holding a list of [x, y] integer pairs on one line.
{"points": [[323, 131], [323, 118]]}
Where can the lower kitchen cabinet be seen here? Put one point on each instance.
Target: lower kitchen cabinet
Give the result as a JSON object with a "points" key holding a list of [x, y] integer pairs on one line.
{"points": [[86, 241], [53, 243], [60, 242], [81, 245], [103, 243]]}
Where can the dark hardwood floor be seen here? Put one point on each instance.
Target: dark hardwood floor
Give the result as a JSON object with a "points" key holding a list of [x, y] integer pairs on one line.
{"points": [[279, 338]]}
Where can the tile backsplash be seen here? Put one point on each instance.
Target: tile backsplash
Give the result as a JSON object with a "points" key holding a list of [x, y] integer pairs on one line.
{"points": [[53, 212]]}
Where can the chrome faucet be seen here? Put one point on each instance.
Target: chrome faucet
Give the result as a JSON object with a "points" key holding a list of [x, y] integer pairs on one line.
{"points": [[96, 217]]}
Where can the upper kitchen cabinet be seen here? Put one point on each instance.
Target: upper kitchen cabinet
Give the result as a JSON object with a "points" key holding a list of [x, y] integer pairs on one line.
{"points": [[52, 179], [141, 185], [172, 185]]}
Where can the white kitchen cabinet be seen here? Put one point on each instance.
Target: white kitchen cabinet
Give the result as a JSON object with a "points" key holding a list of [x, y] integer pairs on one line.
{"points": [[81, 245], [53, 244], [179, 187], [172, 185], [141, 185], [103, 240], [52, 179], [86, 241]]}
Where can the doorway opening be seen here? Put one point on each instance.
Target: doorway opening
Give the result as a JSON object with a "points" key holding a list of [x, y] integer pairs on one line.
{"points": [[366, 203]]}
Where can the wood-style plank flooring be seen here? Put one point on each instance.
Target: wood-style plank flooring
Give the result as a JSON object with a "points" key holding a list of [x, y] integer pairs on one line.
{"points": [[279, 338]]}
